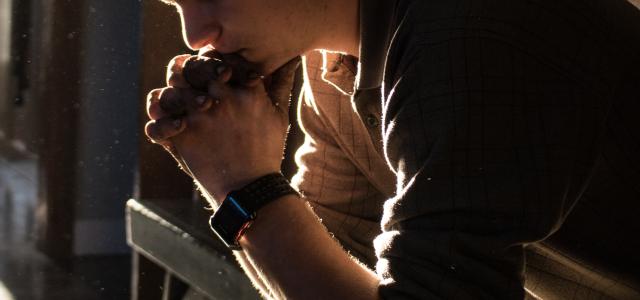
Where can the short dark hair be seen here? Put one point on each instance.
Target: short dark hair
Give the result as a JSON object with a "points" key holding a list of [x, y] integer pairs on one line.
{"points": [[170, 2]]}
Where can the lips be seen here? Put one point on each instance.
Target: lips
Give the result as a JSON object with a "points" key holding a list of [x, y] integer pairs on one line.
{"points": [[215, 41]]}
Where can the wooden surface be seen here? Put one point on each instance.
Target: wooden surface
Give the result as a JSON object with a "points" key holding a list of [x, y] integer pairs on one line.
{"points": [[57, 90]]}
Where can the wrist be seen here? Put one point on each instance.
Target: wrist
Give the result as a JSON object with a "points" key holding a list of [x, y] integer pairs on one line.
{"points": [[282, 212], [240, 207], [220, 186]]}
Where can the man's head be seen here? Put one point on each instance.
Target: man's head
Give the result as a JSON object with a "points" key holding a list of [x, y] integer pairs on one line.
{"points": [[266, 32], [269, 32]]}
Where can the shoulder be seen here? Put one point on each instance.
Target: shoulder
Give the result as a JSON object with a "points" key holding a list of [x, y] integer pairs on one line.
{"points": [[568, 37]]}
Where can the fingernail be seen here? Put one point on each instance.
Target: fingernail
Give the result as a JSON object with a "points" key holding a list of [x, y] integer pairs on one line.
{"points": [[200, 100], [220, 69], [177, 123]]}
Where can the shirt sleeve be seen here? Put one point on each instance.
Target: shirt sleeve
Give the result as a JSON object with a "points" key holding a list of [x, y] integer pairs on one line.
{"points": [[491, 146]]}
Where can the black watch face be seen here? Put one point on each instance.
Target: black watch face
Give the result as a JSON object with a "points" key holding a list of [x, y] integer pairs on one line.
{"points": [[229, 221]]}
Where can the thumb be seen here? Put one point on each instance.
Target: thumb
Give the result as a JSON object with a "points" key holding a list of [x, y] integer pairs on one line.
{"points": [[281, 84]]}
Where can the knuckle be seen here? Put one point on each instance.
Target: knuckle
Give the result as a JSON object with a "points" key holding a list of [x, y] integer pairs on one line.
{"points": [[178, 61], [153, 94], [198, 71], [201, 103], [176, 65], [171, 100], [162, 129], [177, 80], [158, 131], [154, 111], [175, 104], [152, 106], [171, 78], [168, 93], [150, 130]]}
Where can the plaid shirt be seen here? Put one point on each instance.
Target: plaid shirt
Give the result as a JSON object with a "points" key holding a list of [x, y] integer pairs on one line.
{"points": [[482, 130]]}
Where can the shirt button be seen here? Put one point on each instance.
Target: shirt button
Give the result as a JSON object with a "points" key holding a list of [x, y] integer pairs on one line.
{"points": [[372, 121]]}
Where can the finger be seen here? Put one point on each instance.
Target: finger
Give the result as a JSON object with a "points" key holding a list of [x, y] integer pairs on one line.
{"points": [[174, 71], [224, 73], [177, 102], [281, 84], [202, 103], [159, 131], [154, 111], [219, 91], [195, 101], [172, 102], [177, 80], [244, 72], [199, 70], [210, 52], [166, 144], [253, 79]]}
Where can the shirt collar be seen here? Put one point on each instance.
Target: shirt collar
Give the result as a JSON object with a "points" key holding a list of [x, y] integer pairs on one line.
{"points": [[339, 70], [375, 37]]}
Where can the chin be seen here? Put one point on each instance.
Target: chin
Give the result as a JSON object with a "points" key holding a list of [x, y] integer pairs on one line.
{"points": [[269, 68], [264, 67], [266, 64]]}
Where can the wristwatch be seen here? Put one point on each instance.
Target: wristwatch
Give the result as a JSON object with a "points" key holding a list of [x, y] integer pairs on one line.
{"points": [[239, 208]]}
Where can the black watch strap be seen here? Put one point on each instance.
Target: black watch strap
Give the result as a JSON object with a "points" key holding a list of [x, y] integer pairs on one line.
{"points": [[240, 207], [263, 190]]}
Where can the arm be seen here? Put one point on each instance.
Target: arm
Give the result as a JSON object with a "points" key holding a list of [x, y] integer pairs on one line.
{"points": [[310, 157], [299, 258], [465, 213], [226, 144], [257, 278], [491, 154]]}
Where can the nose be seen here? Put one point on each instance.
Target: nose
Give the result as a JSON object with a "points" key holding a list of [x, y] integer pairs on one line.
{"points": [[199, 27]]}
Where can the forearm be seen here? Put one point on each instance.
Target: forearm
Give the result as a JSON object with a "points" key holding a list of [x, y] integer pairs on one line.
{"points": [[298, 258], [241, 257], [255, 277]]}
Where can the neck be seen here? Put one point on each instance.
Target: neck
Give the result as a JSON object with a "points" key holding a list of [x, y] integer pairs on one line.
{"points": [[341, 29]]}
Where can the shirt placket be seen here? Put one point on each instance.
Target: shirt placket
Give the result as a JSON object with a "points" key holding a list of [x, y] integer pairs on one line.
{"points": [[368, 105]]}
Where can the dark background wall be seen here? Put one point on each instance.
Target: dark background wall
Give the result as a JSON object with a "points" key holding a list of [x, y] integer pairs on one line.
{"points": [[73, 78], [108, 123], [69, 99]]}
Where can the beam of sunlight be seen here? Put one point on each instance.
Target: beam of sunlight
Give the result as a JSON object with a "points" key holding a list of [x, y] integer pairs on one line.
{"points": [[4, 293]]}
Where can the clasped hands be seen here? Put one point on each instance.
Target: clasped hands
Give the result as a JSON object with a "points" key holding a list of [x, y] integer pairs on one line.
{"points": [[222, 122]]}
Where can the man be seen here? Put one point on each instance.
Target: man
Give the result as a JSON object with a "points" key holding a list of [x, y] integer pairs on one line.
{"points": [[496, 121]]}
